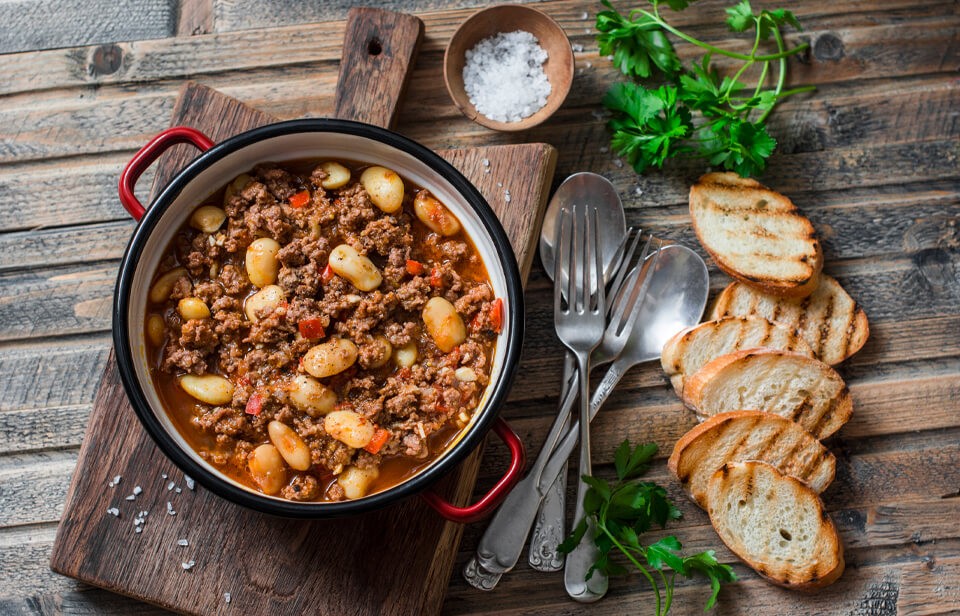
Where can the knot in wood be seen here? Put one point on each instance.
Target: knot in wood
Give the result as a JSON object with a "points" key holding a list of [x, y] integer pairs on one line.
{"points": [[828, 47], [105, 60]]}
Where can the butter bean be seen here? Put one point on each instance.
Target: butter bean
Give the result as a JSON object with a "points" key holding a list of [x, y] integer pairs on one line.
{"points": [[384, 187], [434, 214], [330, 357], [349, 428], [356, 481], [193, 308], [209, 388], [156, 329], [310, 396], [444, 324], [267, 469], [347, 263], [163, 286], [294, 451], [261, 261], [207, 218], [337, 175], [263, 301]]}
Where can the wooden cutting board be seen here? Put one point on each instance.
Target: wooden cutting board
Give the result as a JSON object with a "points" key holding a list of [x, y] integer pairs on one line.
{"points": [[394, 561]]}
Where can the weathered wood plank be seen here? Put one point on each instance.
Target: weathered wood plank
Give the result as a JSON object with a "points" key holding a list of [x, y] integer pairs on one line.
{"points": [[43, 429], [846, 230], [882, 581], [84, 601], [314, 43], [24, 560], [61, 193], [53, 374], [66, 245], [45, 24], [195, 17], [33, 487]]}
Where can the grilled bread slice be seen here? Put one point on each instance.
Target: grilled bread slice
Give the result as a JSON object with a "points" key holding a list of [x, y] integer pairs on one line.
{"points": [[775, 524], [756, 235], [695, 346], [739, 436], [829, 320], [791, 385]]}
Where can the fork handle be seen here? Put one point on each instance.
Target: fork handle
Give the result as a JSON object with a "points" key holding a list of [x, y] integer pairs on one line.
{"points": [[584, 555], [550, 526]]}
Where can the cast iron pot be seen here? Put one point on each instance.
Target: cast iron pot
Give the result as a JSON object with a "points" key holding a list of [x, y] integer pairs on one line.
{"points": [[311, 139]]}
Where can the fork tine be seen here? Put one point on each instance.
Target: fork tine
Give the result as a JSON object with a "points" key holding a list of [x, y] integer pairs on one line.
{"points": [[558, 244], [586, 263], [634, 293], [624, 269], [598, 264]]}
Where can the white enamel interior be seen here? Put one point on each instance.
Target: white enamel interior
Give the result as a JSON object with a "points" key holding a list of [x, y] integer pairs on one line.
{"points": [[317, 145]]}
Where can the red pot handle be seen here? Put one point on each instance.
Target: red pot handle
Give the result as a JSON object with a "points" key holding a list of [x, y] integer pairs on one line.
{"points": [[148, 154], [485, 506]]}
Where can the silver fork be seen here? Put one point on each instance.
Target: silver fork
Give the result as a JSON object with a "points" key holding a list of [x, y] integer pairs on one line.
{"points": [[502, 542], [580, 322], [549, 527]]}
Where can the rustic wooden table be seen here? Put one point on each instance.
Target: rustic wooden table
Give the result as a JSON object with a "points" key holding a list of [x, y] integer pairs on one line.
{"points": [[873, 157]]}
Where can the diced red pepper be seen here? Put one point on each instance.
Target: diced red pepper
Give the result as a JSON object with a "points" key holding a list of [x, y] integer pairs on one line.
{"points": [[436, 278], [254, 405], [496, 315], [380, 438], [311, 328], [300, 199], [327, 274], [414, 268], [404, 373]]}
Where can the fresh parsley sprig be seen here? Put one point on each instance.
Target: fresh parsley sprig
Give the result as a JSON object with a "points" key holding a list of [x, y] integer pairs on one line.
{"points": [[696, 113], [626, 509]]}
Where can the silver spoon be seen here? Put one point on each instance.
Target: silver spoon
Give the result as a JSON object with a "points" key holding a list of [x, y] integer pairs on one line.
{"points": [[597, 191], [675, 299]]}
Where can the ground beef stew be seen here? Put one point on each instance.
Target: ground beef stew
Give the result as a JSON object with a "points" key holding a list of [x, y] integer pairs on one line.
{"points": [[321, 331]]}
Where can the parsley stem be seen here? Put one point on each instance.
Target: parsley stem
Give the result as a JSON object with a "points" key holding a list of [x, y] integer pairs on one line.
{"points": [[636, 563], [782, 77], [723, 52]]}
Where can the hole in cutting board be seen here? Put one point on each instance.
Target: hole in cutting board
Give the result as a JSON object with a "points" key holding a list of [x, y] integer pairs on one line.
{"points": [[374, 47]]}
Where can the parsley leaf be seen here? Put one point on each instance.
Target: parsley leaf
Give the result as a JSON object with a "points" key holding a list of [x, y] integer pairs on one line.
{"points": [[637, 45], [740, 17], [648, 125], [696, 113], [626, 509]]}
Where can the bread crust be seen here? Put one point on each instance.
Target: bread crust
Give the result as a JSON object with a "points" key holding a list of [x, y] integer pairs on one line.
{"points": [[751, 332], [800, 576], [751, 190], [821, 427], [787, 447], [831, 322]]}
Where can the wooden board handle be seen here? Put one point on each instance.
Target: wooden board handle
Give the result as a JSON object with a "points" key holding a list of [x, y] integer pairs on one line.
{"points": [[379, 48]]}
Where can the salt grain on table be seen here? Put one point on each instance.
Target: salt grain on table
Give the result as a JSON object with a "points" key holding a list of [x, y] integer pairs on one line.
{"points": [[190, 482], [170, 510], [187, 566], [137, 490], [504, 78], [114, 512], [183, 543], [226, 597]]}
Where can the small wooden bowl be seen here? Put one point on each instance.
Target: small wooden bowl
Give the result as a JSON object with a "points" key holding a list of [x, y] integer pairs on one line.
{"points": [[510, 18]]}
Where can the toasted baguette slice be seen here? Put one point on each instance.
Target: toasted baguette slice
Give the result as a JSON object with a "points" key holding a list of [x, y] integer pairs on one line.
{"points": [[740, 436], [791, 385], [695, 346], [756, 235], [775, 524], [829, 320]]}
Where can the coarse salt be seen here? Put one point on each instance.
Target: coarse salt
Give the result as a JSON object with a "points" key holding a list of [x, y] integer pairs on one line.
{"points": [[226, 597], [504, 78], [187, 566], [190, 482], [183, 543]]}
